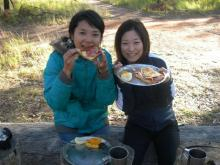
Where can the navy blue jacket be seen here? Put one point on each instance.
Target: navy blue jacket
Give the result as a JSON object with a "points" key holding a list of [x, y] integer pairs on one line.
{"points": [[149, 106]]}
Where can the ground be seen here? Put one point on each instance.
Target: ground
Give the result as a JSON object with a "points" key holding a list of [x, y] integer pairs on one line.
{"points": [[191, 46]]}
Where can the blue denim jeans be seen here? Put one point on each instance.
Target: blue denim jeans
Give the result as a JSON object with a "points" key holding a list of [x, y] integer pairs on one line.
{"points": [[66, 137]]}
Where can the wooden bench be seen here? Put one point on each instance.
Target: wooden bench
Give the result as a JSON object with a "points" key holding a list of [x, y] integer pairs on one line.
{"points": [[39, 144]]}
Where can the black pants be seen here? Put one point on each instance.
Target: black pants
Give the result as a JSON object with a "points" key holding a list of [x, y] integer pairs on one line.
{"points": [[165, 141]]}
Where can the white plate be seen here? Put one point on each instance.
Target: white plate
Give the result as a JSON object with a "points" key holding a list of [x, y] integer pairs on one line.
{"points": [[134, 80], [76, 154]]}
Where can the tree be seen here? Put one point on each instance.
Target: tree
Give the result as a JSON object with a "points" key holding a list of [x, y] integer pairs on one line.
{"points": [[7, 6]]}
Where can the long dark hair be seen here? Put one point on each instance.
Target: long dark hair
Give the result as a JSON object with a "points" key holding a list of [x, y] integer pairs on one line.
{"points": [[139, 28]]}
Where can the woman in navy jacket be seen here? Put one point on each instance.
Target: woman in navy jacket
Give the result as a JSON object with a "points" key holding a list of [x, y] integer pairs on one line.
{"points": [[149, 108]]}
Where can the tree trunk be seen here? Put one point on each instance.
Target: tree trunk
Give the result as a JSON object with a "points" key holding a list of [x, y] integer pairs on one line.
{"points": [[6, 5]]}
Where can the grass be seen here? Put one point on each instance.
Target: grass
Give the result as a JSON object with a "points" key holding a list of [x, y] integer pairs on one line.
{"points": [[11, 54], [130, 3], [199, 5], [21, 66], [169, 5], [18, 52], [27, 103], [44, 12], [195, 117]]}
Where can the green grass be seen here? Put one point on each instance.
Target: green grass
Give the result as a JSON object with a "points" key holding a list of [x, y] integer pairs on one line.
{"points": [[130, 3], [11, 53], [189, 5], [198, 5], [44, 12], [18, 53]]}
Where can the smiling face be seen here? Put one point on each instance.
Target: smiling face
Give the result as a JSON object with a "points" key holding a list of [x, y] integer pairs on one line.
{"points": [[86, 36], [131, 46]]}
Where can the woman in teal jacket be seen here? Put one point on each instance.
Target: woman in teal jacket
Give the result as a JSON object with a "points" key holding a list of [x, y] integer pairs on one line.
{"points": [[79, 90]]}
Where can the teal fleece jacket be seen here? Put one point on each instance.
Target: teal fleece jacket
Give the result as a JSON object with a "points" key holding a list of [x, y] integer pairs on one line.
{"points": [[82, 102]]}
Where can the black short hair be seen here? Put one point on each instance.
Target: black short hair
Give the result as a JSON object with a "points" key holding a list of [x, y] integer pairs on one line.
{"points": [[92, 17], [139, 28]]}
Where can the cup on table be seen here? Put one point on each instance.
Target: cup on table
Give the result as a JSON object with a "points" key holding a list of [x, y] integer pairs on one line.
{"points": [[118, 155], [196, 157]]}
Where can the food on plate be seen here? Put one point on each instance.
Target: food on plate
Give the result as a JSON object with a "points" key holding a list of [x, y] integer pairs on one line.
{"points": [[89, 141], [149, 72], [126, 76], [150, 75], [93, 142], [91, 54], [81, 140]]}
